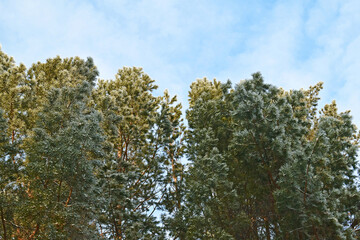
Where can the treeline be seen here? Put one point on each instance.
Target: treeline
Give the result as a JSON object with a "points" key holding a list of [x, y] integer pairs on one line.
{"points": [[85, 158]]}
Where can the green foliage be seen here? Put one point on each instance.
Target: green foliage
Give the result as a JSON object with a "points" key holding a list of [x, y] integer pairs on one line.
{"points": [[55, 73], [142, 130], [11, 126], [266, 164], [82, 158], [12, 80], [61, 154], [319, 186], [7, 176]]}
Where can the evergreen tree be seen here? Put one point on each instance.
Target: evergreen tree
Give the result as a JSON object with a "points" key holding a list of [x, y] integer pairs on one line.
{"points": [[12, 79], [271, 124], [62, 151], [54, 73], [203, 215], [23, 96], [265, 165], [79, 161], [139, 127], [6, 179], [319, 185]]}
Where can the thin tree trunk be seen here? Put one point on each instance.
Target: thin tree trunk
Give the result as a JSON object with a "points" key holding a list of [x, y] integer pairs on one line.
{"points": [[69, 197], [34, 232], [306, 183], [300, 235], [3, 222], [273, 204], [12, 132], [315, 233], [12, 142], [307, 172], [175, 181], [267, 227], [254, 228], [117, 234]]}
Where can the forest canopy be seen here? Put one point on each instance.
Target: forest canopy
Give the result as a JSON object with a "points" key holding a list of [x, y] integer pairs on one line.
{"points": [[88, 158]]}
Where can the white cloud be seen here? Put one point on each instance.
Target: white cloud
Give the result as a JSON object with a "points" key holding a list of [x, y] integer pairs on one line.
{"points": [[294, 44], [329, 29]]}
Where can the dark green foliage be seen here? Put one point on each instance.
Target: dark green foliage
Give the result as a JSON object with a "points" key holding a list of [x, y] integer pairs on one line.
{"points": [[61, 155], [7, 177], [319, 186], [130, 176], [142, 130], [266, 165], [55, 73], [11, 154], [82, 158]]}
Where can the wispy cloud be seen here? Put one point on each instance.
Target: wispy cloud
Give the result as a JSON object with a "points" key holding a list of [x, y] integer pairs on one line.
{"points": [[293, 43], [303, 43]]}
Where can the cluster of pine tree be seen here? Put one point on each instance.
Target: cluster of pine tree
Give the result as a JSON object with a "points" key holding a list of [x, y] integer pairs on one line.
{"points": [[84, 158]]}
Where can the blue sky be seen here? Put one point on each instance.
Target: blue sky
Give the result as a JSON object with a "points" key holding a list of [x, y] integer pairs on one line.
{"points": [[294, 44]]}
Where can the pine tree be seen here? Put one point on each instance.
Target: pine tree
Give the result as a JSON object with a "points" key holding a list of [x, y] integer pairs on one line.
{"points": [[271, 125], [62, 151], [12, 79], [173, 195], [6, 179], [266, 164], [319, 186], [54, 73], [79, 161], [140, 129], [24, 96], [203, 215]]}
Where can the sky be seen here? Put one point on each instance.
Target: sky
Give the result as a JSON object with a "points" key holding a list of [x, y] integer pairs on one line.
{"points": [[294, 44]]}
